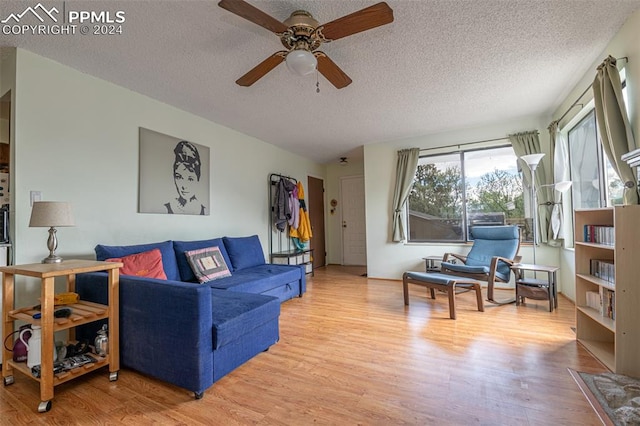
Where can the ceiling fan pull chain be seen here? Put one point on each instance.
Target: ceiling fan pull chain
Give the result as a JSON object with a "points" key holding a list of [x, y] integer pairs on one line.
{"points": [[317, 82]]}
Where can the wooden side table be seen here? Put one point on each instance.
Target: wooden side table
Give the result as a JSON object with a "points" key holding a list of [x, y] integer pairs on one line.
{"points": [[431, 263], [534, 288], [83, 312]]}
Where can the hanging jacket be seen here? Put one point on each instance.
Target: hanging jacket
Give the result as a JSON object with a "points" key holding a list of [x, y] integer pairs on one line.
{"points": [[303, 232], [281, 207], [294, 204]]}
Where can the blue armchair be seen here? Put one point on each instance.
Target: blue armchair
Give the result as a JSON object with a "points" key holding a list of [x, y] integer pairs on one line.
{"points": [[494, 250]]}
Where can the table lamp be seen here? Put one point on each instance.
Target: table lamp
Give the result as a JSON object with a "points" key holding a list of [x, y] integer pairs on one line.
{"points": [[51, 214]]}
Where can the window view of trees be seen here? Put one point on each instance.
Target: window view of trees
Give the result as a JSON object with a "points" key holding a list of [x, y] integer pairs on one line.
{"points": [[436, 200], [492, 194], [437, 192], [498, 191]]}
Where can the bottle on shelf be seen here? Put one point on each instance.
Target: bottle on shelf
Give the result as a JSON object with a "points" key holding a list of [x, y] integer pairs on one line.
{"points": [[34, 354], [102, 342]]}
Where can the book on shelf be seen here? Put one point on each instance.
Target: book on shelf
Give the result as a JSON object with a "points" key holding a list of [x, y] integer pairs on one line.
{"points": [[607, 303], [603, 269], [600, 234], [594, 301]]}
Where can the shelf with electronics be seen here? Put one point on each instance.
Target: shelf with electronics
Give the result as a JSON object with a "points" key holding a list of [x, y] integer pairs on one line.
{"points": [[607, 291]]}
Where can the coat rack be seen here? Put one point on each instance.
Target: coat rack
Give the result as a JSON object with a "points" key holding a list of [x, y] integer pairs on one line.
{"points": [[274, 179]]}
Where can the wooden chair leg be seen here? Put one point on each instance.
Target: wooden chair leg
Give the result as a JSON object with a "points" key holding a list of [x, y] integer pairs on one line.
{"points": [[405, 289], [490, 285], [451, 291], [479, 297]]}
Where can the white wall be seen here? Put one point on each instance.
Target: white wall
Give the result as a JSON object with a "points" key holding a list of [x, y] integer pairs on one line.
{"points": [[386, 259], [625, 43], [76, 139]]}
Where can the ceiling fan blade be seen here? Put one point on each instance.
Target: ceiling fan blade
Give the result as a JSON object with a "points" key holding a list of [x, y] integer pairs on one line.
{"points": [[331, 71], [262, 69], [362, 20], [253, 14]]}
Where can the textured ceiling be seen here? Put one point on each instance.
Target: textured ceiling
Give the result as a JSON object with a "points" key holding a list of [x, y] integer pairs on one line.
{"points": [[441, 65]]}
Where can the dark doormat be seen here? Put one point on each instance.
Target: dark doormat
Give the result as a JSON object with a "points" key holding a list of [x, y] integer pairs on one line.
{"points": [[614, 397]]}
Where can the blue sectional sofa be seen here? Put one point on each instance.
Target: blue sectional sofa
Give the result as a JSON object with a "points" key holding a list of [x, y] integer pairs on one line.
{"points": [[192, 334]]}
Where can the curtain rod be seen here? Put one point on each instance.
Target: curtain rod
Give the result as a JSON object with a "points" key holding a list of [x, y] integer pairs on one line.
{"points": [[576, 102], [466, 143]]}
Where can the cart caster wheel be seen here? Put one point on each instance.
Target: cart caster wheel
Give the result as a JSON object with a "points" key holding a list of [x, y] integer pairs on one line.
{"points": [[113, 376], [8, 380], [44, 406], [198, 395]]}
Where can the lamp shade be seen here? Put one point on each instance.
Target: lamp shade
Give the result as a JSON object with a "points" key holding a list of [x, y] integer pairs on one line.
{"points": [[51, 213], [532, 160], [301, 62]]}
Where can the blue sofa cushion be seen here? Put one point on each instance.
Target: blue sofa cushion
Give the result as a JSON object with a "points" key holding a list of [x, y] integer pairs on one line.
{"points": [[166, 249], [244, 252], [236, 314], [180, 247], [259, 279]]}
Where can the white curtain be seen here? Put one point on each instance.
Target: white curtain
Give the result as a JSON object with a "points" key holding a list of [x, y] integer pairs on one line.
{"points": [[613, 122], [405, 173], [559, 147]]}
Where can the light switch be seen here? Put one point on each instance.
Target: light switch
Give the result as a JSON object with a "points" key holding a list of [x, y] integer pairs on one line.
{"points": [[35, 196]]}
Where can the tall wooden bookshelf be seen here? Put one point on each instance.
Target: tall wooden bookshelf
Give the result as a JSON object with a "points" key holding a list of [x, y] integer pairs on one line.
{"points": [[615, 342]]}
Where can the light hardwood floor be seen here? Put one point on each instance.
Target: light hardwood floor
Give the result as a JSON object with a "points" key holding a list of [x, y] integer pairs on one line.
{"points": [[351, 353]]}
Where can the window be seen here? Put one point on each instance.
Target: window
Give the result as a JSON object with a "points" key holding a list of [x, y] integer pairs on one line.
{"points": [[456, 190], [595, 183], [584, 158]]}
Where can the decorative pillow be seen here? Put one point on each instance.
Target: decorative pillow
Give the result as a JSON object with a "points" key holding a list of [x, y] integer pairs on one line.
{"points": [[244, 252], [207, 264], [146, 264], [166, 248], [180, 247]]}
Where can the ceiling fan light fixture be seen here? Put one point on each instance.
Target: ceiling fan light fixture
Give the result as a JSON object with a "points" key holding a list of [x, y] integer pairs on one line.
{"points": [[301, 62]]}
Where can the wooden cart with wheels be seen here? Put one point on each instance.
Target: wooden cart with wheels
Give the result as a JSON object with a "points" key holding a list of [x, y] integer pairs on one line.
{"points": [[83, 312]]}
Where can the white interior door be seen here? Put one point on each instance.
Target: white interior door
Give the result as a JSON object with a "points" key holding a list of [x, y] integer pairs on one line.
{"points": [[354, 235]]}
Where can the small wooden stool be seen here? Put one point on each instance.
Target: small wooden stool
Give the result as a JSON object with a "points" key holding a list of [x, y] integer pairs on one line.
{"points": [[444, 282]]}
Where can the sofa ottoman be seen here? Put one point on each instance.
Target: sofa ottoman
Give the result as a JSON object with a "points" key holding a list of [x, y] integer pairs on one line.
{"points": [[243, 325]]}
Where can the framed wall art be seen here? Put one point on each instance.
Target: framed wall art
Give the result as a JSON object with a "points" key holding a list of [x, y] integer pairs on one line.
{"points": [[174, 175]]}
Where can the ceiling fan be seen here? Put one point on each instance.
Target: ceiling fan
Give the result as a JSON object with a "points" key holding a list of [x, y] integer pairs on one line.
{"points": [[302, 35]]}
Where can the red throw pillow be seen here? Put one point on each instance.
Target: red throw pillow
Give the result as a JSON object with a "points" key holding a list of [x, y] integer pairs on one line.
{"points": [[146, 264]]}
